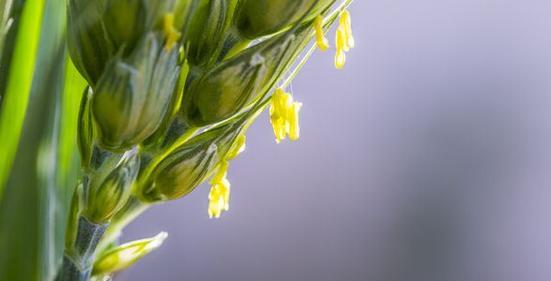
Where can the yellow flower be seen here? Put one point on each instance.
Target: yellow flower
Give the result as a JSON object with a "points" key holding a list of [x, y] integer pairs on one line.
{"points": [[321, 41], [171, 33], [344, 40], [219, 196], [284, 116]]}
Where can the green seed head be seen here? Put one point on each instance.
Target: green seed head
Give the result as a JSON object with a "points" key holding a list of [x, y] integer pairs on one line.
{"points": [[109, 189], [233, 85], [134, 94], [181, 172], [189, 165], [206, 31], [99, 30], [125, 22], [173, 85], [89, 47], [262, 17]]}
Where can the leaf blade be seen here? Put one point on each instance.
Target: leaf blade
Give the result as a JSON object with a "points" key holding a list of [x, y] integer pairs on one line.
{"points": [[19, 84]]}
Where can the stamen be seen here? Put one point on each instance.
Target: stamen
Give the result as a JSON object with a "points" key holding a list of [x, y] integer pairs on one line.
{"points": [[340, 56], [343, 39], [346, 22], [321, 40], [219, 195], [284, 116], [294, 128]]}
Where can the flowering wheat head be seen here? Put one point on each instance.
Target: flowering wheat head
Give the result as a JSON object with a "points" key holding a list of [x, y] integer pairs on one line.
{"points": [[172, 88]]}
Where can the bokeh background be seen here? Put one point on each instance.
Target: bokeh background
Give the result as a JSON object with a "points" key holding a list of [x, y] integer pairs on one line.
{"points": [[428, 158]]}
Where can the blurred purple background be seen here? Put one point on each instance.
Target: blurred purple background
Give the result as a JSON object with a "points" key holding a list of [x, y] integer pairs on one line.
{"points": [[428, 158]]}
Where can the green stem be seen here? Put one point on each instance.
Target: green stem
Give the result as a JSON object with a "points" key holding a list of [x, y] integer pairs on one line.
{"points": [[79, 257]]}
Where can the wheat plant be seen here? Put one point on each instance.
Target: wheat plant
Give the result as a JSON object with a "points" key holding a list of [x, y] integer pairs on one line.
{"points": [[109, 107]]}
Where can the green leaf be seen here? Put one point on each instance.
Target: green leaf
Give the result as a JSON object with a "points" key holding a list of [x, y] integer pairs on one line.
{"points": [[38, 133], [69, 163], [19, 84]]}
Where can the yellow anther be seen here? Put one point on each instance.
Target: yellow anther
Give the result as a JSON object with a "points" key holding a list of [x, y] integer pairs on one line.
{"points": [[278, 114], [321, 41], [172, 35], [340, 41], [294, 128], [284, 116], [344, 40], [340, 59], [280, 101], [346, 22], [219, 198], [219, 195], [280, 130], [237, 147]]}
